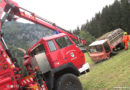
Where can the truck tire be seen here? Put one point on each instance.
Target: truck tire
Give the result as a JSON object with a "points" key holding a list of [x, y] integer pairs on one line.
{"points": [[113, 53], [68, 82]]}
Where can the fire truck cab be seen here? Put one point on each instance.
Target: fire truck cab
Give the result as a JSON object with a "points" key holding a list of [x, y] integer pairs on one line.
{"points": [[55, 56]]}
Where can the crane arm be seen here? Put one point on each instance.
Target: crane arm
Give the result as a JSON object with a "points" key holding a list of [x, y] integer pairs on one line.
{"points": [[12, 9]]}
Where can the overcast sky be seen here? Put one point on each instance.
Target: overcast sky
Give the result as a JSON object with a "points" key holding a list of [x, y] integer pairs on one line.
{"points": [[68, 14]]}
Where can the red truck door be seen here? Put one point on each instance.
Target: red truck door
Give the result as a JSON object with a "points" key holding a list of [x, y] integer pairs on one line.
{"points": [[107, 49], [54, 55]]}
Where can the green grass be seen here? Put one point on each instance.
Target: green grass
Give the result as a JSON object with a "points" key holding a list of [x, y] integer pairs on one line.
{"points": [[106, 75]]}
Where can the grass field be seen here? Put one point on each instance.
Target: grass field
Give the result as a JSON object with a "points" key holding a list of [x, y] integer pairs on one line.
{"points": [[113, 74]]}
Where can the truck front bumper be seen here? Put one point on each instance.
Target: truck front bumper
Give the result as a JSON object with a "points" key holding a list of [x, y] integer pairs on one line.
{"points": [[84, 68]]}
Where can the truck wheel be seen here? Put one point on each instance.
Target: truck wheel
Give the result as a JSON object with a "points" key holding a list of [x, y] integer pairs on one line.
{"points": [[68, 82], [114, 53]]}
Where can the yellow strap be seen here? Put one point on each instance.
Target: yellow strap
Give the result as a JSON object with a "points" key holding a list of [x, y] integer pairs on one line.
{"points": [[34, 87]]}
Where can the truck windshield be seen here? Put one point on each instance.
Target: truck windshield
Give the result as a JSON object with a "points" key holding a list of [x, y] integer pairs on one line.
{"points": [[63, 42], [95, 49], [39, 49]]}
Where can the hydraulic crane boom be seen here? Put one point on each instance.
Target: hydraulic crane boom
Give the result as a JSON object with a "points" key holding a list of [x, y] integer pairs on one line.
{"points": [[12, 9]]}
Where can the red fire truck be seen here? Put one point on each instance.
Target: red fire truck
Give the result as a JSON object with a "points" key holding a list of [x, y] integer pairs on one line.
{"points": [[53, 63]]}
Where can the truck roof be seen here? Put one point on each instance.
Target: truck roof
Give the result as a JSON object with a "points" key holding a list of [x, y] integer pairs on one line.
{"points": [[45, 39], [99, 42], [53, 36]]}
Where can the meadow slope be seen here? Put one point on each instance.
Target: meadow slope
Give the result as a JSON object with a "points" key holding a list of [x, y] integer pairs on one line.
{"points": [[111, 74]]}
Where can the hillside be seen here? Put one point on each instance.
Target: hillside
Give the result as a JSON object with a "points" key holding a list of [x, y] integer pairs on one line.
{"points": [[23, 35], [109, 74], [15, 32]]}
